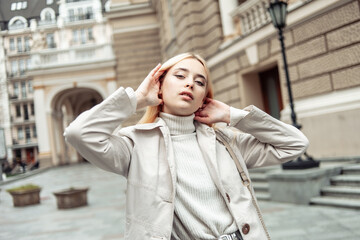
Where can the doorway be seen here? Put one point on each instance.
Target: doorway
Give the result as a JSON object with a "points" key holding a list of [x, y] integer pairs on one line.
{"points": [[271, 92]]}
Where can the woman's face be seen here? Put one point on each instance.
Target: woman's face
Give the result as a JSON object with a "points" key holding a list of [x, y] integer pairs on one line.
{"points": [[184, 88]]}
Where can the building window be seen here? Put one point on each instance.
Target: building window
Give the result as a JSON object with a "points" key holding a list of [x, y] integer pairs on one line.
{"points": [[19, 24], [26, 113], [14, 68], [18, 110], [90, 34], [32, 109], [13, 6], [28, 63], [83, 36], [81, 14], [34, 132], [89, 13], [19, 6], [27, 134], [71, 15], [30, 87], [20, 133], [27, 44], [19, 44], [22, 66], [16, 89], [50, 40], [23, 90], [47, 16], [12, 44], [75, 35]]}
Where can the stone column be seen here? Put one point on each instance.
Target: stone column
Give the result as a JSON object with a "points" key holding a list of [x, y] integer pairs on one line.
{"points": [[42, 127], [226, 7], [111, 85]]}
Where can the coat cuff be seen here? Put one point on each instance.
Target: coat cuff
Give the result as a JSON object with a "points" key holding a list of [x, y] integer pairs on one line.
{"points": [[132, 97], [236, 115]]}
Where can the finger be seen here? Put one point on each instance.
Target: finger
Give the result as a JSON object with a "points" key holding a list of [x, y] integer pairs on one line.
{"points": [[202, 120], [201, 114], [158, 74], [152, 73]]}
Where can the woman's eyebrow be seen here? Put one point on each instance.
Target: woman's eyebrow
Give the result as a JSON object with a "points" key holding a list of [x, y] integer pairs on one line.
{"points": [[187, 71]]}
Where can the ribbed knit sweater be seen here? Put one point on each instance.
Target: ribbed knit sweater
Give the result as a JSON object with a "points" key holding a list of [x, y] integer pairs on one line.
{"points": [[200, 210]]}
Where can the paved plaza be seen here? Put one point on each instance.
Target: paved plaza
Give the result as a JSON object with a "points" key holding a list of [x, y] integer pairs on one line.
{"points": [[104, 217]]}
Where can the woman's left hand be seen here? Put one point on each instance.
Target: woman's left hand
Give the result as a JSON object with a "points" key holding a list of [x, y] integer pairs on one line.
{"points": [[213, 111]]}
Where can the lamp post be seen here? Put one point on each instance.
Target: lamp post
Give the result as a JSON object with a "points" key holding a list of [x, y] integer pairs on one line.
{"points": [[2, 151], [278, 10]]}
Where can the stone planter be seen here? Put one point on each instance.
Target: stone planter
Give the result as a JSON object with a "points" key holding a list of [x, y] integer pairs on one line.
{"points": [[71, 198], [27, 197]]}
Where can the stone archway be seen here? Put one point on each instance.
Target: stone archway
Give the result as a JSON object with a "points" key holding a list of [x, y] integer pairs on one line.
{"points": [[65, 107]]}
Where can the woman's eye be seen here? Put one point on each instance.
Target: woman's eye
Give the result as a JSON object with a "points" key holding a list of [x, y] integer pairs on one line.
{"points": [[179, 76], [200, 83]]}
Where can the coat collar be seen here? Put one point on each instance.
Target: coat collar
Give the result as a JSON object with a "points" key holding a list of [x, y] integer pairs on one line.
{"points": [[159, 122], [149, 126]]}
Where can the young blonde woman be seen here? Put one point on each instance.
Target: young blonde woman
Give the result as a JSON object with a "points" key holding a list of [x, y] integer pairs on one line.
{"points": [[185, 178]]}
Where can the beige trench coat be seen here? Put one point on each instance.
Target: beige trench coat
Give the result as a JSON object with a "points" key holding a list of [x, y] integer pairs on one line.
{"points": [[143, 154]]}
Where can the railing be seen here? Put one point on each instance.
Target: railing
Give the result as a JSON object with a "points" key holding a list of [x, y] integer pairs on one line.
{"points": [[73, 56], [80, 17], [251, 15], [47, 22]]}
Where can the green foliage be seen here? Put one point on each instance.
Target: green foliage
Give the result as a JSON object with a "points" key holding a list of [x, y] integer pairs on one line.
{"points": [[23, 188]]}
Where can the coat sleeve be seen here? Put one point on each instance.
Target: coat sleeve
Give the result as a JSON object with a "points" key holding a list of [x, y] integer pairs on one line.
{"points": [[264, 140], [91, 133]]}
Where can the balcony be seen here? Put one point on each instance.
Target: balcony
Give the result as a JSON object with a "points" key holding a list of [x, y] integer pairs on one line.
{"points": [[13, 96], [51, 22], [77, 55], [80, 17], [251, 16]]}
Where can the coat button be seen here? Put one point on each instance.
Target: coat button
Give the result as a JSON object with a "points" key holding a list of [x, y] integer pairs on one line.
{"points": [[228, 197], [245, 228]]}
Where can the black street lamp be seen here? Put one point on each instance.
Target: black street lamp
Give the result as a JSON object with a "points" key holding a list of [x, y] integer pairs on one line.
{"points": [[278, 10]]}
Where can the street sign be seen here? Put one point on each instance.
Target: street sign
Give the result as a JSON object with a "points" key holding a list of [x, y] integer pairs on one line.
{"points": [[2, 144]]}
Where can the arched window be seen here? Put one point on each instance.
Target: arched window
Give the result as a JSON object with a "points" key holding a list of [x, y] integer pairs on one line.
{"points": [[17, 22], [47, 15]]}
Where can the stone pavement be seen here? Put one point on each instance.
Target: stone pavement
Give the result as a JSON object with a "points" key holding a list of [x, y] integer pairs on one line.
{"points": [[104, 217]]}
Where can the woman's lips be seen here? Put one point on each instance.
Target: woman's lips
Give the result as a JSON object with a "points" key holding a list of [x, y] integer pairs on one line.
{"points": [[187, 95]]}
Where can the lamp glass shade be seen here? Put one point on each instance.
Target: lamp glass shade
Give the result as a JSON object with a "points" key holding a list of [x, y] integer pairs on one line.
{"points": [[278, 10]]}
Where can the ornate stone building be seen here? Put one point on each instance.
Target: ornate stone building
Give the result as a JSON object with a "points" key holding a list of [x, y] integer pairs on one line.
{"points": [[97, 46], [242, 49], [59, 62]]}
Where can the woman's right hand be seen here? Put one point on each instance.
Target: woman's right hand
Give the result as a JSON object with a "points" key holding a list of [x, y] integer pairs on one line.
{"points": [[147, 94]]}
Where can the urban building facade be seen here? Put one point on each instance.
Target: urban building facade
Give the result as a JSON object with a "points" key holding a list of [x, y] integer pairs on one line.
{"points": [[82, 50], [242, 48], [51, 48]]}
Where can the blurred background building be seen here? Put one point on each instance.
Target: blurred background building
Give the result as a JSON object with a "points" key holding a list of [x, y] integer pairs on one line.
{"points": [[59, 58]]}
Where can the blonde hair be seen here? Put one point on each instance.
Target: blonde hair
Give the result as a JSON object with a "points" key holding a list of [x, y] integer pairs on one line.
{"points": [[152, 112]]}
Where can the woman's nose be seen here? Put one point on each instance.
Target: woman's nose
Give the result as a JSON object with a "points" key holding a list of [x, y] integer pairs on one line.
{"points": [[190, 84]]}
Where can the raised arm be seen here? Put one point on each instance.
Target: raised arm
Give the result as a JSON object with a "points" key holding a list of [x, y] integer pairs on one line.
{"points": [[91, 133], [264, 140]]}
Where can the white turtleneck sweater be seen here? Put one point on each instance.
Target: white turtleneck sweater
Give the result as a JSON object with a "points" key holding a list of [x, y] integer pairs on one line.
{"points": [[200, 210]]}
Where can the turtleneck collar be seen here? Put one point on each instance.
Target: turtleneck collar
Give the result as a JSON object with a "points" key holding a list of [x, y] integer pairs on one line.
{"points": [[179, 125]]}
